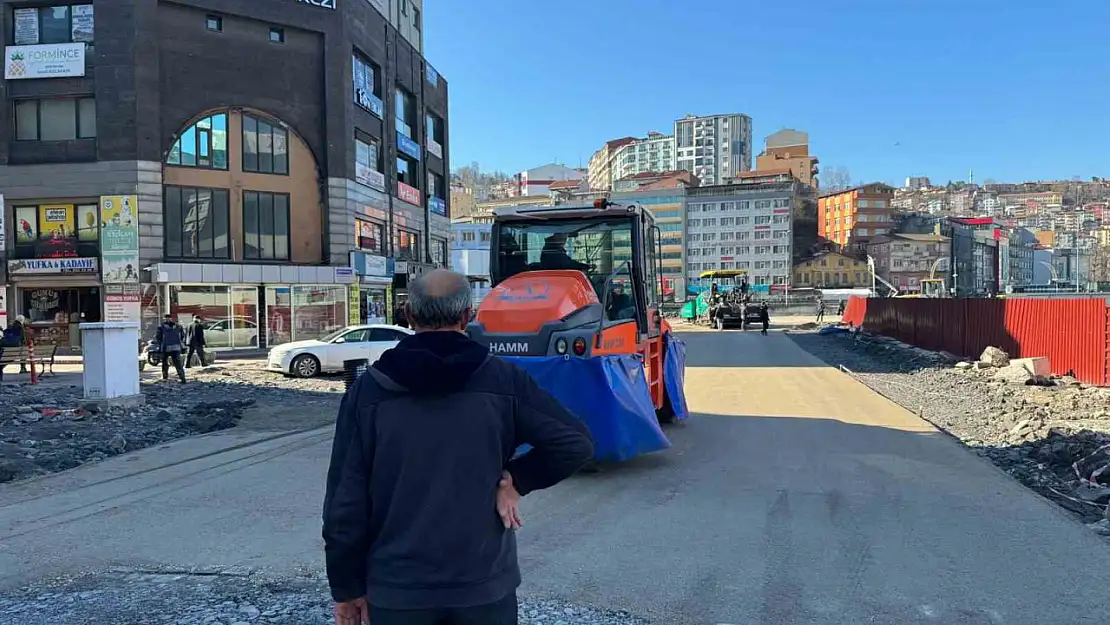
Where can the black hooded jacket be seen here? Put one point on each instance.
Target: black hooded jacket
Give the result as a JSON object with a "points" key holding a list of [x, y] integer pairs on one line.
{"points": [[410, 515]]}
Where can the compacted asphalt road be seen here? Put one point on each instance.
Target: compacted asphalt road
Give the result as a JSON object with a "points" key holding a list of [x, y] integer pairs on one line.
{"points": [[792, 495]]}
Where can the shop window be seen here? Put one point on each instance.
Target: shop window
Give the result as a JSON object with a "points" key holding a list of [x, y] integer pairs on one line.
{"points": [[55, 119], [439, 252], [318, 310], [405, 111], [265, 226], [54, 314], [368, 235], [229, 314], [196, 222], [202, 145], [368, 162], [57, 231], [265, 146], [367, 84], [67, 23], [408, 245]]}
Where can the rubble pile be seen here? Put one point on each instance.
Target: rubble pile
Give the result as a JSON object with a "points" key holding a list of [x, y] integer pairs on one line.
{"points": [[47, 428], [1052, 433]]}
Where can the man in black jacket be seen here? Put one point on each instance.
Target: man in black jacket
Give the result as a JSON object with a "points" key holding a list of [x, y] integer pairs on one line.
{"points": [[195, 338], [422, 468]]}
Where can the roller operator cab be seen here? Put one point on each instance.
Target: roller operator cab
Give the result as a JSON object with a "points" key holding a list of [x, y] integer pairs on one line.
{"points": [[578, 282]]}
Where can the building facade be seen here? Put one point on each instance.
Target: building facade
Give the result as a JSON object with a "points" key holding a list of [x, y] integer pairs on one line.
{"points": [[789, 149], [600, 170], [538, 180], [470, 246], [748, 226], [714, 148], [850, 218], [904, 260], [832, 270], [654, 153], [280, 196]]}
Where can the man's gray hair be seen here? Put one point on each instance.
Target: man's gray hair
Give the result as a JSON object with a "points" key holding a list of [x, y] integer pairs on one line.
{"points": [[439, 299]]}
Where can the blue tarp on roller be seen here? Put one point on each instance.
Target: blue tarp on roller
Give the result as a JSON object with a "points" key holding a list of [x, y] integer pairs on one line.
{"points": [[674, 376], [609, 394]]}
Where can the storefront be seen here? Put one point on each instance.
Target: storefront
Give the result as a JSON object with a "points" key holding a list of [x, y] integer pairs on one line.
{"points": [[255, 315], [56, 295], [374, 288]]}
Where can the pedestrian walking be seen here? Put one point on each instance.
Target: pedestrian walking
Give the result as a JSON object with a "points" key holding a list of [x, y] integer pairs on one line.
{"points": [[195, 339], [410, 538], [15, 336], [840, 308], [820, 310], [764, 317], [399, 318], [170, 339]]}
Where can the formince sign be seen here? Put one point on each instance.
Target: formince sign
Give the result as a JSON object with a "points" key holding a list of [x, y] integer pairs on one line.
{"points": [[324, 4]]}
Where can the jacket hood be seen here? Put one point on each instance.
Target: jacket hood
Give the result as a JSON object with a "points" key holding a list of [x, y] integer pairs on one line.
{"points": [[433, 362]]}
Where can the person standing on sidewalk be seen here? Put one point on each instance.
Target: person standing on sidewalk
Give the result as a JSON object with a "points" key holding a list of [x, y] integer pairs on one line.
{"points": [[170, 340], [764, 317], [409, 538], [820, 310], [195, 337]]}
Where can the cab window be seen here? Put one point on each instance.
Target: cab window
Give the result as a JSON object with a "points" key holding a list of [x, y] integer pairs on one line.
{"points": [[620, 299]]}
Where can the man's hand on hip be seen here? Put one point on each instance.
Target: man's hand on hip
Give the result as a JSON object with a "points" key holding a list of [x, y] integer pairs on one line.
{"points": [[353, 612], [508, 502]]}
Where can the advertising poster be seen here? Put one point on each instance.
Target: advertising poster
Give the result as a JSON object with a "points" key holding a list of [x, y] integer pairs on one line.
{"points": [[354, 305], [25, 223], [82, 23], [56, 221], [26, 26], [121, 303], [119, 239], [55, 60], [88, 223]]}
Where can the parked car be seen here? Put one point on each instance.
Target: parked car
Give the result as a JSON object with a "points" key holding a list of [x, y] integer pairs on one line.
{"points": [[305, 359], [237, 332]]}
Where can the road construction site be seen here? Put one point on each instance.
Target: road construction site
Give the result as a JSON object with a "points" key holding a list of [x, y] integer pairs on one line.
{"points": [[793, 494]]}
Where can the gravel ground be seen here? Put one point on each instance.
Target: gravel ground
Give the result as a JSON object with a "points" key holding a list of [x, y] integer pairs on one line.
{"points": [[1043, 436], [176, 599], [48, 427]]}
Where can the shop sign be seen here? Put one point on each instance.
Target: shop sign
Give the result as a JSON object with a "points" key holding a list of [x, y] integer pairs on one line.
{"points": [[354, 305], [52, 60], [119, 241], [369, 177], [121, 303], [52, 265], [344, 275], [408, 146], [432, 74], [323, 4], [369, 264], [2, 230], [369, 101], [401, 266], [435, 149], [437, 206], [408, 194]]}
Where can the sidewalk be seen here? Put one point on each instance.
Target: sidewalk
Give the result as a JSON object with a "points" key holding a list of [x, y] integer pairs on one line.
{"points": [[236, 354]]}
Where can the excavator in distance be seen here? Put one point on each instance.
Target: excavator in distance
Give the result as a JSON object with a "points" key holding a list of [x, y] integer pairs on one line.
{"points": [[575, 302]]}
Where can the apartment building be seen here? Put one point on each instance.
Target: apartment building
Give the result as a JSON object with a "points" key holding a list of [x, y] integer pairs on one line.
{"points": [[789, 149], [747, 225], [277, 167], [850, 218], [470, 250], [600, 171], [904, 260], [538, 180], [665, 196], [654, 153], [714, 148]]}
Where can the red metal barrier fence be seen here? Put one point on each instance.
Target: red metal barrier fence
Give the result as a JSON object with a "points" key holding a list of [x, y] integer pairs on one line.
{"points": [[1072, 333]]}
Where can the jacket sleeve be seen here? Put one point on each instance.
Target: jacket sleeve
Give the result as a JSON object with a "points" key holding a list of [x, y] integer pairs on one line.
{"points": [[561, 443], [347, 501], [158, 336]]}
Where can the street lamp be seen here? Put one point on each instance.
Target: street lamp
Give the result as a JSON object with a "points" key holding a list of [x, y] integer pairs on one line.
{"points": [[871, 268]]}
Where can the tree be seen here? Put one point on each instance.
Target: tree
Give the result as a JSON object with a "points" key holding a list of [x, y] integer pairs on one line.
{"points": [[835, 179]]}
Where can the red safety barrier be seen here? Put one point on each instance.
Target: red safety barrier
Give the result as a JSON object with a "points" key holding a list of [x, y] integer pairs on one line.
{"points": [[1074, 334]]}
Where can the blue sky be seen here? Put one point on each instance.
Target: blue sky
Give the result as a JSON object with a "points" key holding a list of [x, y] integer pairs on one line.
{"points": [[1016, 90]]}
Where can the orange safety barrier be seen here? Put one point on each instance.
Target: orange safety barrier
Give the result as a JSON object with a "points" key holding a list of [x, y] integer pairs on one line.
{"points": [[1074, 334]]}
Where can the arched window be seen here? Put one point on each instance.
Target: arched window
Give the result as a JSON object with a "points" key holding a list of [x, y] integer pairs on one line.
{"points": [[204, 144]]}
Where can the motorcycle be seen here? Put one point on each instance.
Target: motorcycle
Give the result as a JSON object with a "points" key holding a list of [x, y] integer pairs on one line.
{"points": [[151, 353]]}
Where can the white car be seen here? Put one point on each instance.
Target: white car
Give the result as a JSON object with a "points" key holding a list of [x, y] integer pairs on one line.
{"points": [[306, 359]]}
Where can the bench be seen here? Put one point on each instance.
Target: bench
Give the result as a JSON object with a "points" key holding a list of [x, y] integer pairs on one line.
{"points": [[43, 356]]}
